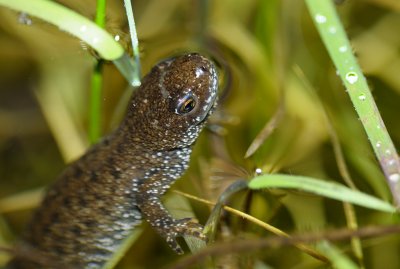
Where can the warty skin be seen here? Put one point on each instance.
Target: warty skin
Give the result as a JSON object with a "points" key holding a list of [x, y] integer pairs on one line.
{"points": [[100, 198]]}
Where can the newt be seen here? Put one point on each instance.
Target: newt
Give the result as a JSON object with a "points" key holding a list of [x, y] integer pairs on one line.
{"points": [[103, 196]]}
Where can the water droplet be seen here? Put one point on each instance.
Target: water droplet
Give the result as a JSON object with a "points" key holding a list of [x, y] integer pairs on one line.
{"points": [[83, 28], [388, 152], [24, 19], [378, 144], [117, 38], [332, 30], [320, 18], [362, 97], [343, 49], [351, 77], [391, 162], [394, 177], [258, 171]]}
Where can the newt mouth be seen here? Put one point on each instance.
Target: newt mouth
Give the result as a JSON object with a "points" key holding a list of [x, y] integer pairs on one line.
{"points": [[210, 111]]}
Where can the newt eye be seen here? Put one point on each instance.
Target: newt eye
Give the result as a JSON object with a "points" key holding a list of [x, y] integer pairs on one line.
{"points": [[186, 104]]}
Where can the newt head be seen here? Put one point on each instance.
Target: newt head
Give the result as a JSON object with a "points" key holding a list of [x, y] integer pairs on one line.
{"points": [[170, 108]]}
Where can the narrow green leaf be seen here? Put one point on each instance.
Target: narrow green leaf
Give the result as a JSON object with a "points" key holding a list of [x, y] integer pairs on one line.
{"points": [[96, 96], [72, 23], [211, 225], [339, 48], [320, 187], [135, 42], [337, 258]]}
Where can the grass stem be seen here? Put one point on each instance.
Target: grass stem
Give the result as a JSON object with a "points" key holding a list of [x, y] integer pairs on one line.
{"points": [[338, 45]]}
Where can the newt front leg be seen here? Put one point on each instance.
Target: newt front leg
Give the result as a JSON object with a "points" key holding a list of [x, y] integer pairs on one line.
{"points": [[158, 217]]}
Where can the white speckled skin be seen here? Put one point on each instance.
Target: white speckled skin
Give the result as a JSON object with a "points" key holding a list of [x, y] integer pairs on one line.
{"points": [[100, 198]]}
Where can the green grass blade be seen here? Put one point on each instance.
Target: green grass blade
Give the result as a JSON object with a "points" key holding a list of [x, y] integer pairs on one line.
{"points": [[97, 83], [135, 42], [82, 28], [337, 258], [212, 222], [96, 94], [320, 187], [336, 42], [71, 22], [100, 19]]}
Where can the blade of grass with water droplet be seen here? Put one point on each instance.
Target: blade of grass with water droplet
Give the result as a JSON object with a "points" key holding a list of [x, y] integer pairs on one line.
{"points": [[80, 27], [339, 48], [71, 22], [320, 187]]}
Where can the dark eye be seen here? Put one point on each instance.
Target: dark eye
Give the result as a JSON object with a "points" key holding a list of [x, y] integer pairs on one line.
{"points": [[203, 68], [186, 104]]}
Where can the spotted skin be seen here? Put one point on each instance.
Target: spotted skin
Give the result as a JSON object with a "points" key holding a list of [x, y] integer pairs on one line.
{"points": [[100, 198]]}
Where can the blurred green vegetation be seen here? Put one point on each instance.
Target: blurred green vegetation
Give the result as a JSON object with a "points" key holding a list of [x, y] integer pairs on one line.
{"points": [[267, 50]]}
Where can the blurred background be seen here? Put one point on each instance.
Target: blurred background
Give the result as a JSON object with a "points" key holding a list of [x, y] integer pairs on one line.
{"points": [[273, 66]]}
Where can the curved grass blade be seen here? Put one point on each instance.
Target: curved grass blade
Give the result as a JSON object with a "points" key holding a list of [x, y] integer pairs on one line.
{"points": [[212, 221], [82, 28], [71, 22], [323, 188], [338, 46], [339, 260]]}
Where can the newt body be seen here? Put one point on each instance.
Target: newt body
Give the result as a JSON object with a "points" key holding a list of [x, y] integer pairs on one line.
{"points": [[100, 198]]}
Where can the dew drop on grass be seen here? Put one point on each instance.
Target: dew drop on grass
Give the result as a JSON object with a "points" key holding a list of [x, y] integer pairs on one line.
{"points": [[258, 171], [320, 18], [351, 77], [342, 49], [362, 97], [332, 30], [24, 19], [394, 177], [378, 144]]}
